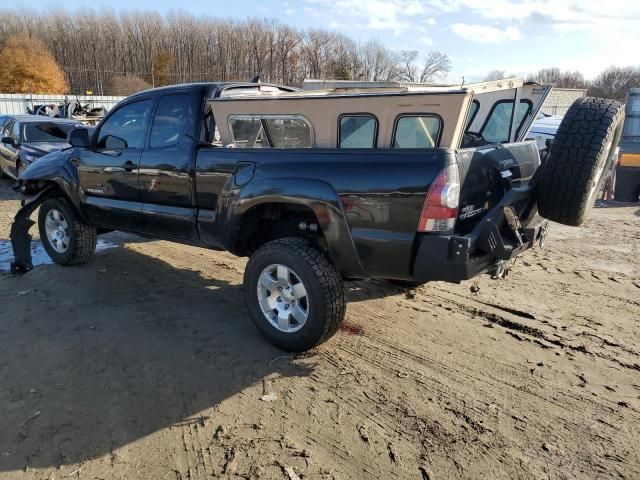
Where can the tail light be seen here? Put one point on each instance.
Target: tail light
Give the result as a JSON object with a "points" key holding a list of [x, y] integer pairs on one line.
{"points": [[440, 208]]}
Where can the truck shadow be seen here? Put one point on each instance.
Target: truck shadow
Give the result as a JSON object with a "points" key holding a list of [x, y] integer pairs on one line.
{"points": [[98, 356]]}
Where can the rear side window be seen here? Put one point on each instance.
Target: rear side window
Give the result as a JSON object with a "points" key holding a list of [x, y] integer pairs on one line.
{"points": [[169, 121], [417, 131], [46, 132], [271, 131], [358, 131], [496, 127]]}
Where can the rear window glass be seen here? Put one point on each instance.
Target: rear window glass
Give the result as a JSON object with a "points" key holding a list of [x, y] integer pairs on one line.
{"points": [[419, 131], [496, 128], [271, 131], [169, 120], [475, 106], [358, 131], [46, 132]]}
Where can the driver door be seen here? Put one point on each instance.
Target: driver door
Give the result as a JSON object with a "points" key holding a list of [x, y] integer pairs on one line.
{"points": [[109, 169]]}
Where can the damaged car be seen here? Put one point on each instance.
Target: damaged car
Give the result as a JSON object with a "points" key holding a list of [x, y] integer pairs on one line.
{"points": [[26, 138], [411, 184]]}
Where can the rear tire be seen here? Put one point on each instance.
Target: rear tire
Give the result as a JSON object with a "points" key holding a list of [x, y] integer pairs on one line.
{"points": [[274, 274], [580, 156], [65, 237]]}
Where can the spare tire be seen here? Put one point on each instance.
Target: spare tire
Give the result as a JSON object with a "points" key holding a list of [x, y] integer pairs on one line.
{"points": [[581, 153]]}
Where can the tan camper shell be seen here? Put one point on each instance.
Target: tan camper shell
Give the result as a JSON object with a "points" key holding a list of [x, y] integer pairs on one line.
{"points": [[410, 117]]}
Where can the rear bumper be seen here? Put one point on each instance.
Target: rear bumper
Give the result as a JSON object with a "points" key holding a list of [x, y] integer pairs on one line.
{"points": [[454, 258], [508, 229]]}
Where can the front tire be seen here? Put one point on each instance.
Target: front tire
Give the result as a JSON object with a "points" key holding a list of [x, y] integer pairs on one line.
{"points": [[294, 294], [65, 237]]}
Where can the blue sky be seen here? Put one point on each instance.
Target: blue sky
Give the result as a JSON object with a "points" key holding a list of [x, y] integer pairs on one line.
{"points": [[518, 36]]}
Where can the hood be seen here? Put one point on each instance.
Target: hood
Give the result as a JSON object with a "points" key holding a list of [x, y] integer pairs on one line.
{"points": [[38, 149], [548, 125]]}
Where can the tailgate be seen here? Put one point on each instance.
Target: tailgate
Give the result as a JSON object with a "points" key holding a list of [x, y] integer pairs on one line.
{"points": [[487, 173]]}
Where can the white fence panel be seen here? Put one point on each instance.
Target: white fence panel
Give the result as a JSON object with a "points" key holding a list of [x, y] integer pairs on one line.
{"points": [[17, 103]]}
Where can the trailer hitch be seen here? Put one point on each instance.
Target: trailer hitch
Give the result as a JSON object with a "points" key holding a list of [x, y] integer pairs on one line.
{"points": [[20, 238]]}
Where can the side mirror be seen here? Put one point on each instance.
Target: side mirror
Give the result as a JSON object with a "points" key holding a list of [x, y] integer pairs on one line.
{"points": [[78, 137], [8, 141]]}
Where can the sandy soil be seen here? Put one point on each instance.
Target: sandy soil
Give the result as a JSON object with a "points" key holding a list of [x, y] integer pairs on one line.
{"points": [[143, 364]]}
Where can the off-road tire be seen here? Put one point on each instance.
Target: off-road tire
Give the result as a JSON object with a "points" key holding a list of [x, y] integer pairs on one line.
{"points": [[324, 287], [578, 161], [83, 237]]}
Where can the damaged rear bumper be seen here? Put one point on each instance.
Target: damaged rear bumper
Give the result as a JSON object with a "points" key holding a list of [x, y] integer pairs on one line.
{"points": [[498, 238]]}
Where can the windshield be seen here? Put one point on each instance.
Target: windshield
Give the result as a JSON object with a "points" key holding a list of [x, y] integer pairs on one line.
{"points": [[46, 132]]}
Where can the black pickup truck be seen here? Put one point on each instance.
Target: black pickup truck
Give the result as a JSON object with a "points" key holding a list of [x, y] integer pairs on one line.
{"points": [[314, 194]]}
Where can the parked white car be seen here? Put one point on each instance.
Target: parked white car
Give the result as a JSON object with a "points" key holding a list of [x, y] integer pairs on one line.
{"points": [[543, 128]]}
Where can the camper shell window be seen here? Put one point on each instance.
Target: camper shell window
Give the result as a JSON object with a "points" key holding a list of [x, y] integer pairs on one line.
{"points": [[417, 131], [496, 126], [473, 111], [271, 131], [357, 130]]}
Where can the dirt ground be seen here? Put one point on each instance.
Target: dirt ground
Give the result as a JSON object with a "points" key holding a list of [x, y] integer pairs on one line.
{"points": [[143, 364]]}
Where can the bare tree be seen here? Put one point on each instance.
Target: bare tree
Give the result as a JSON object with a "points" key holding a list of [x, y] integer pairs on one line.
{"points": [[554, 76], [495, 75], [615, 82], [436, 65], [92, 48], [408, 70]]}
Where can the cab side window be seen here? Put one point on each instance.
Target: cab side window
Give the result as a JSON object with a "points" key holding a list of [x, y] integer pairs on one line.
{"points": [[126, 128], [169, 121]]}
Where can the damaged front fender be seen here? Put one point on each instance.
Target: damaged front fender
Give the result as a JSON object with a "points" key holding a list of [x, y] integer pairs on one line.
{"points": [[20, 238], [55, 168], [52, 175]]}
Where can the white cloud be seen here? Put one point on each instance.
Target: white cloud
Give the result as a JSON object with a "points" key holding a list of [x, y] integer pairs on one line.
{"points": [[564, 14], [484, 34], [426, 40]]}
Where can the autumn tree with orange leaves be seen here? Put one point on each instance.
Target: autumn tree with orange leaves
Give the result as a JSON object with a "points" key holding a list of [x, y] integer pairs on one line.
{"points": [[29, 67]]}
